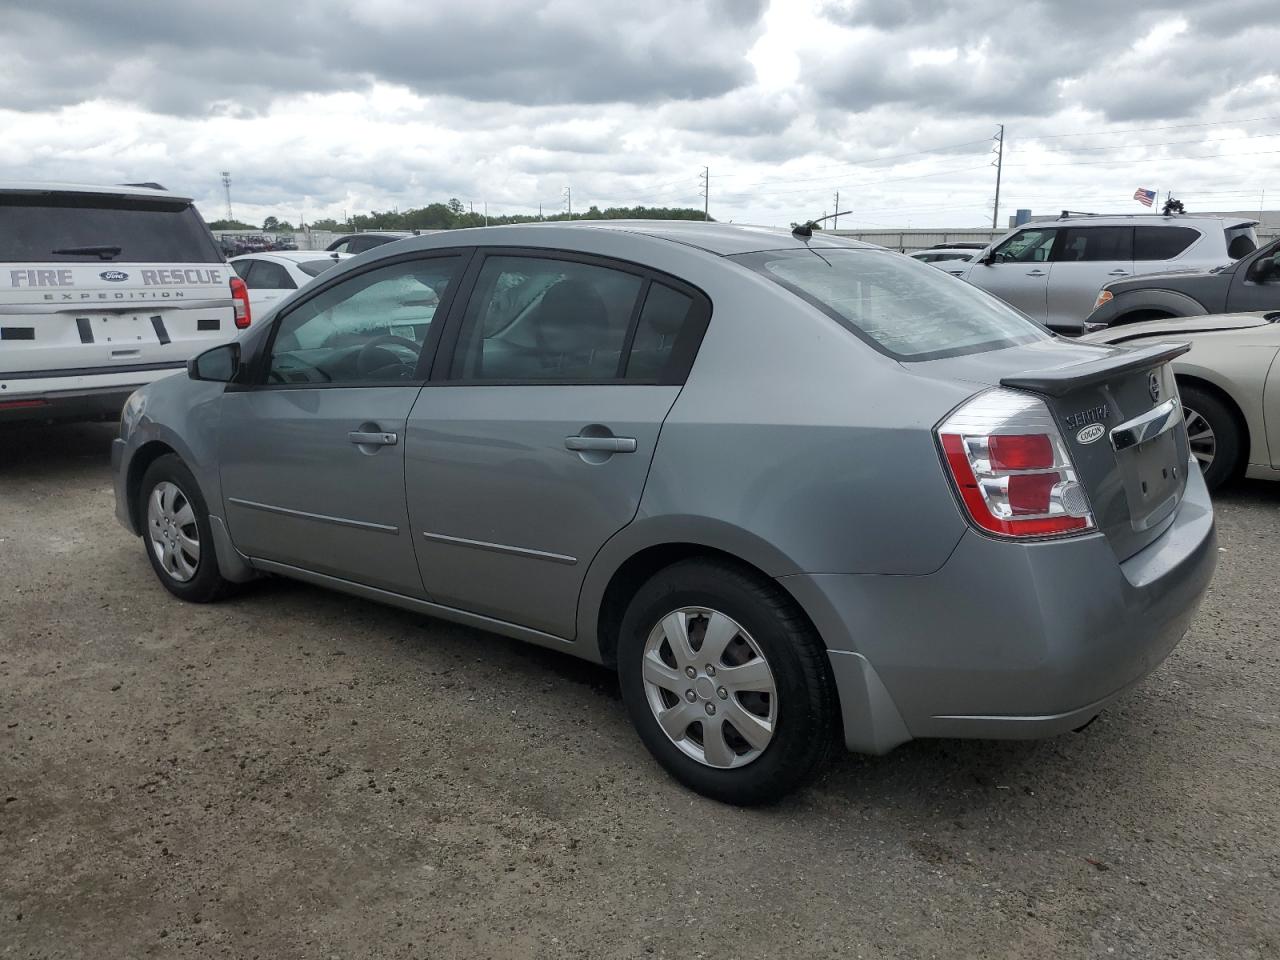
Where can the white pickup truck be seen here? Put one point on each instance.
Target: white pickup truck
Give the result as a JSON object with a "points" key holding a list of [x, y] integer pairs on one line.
{"points": [[103, 289]]}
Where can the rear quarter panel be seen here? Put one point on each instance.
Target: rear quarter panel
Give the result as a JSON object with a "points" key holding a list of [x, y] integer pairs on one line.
{"points": [[1238, 363], [796, 447]]}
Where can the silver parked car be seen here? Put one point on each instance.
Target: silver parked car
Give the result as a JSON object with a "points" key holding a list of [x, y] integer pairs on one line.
{"points": [[792, 488], [1052, 270]]}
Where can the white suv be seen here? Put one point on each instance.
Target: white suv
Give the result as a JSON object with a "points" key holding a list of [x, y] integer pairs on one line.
{"points": [[102, 289], [1052, 270]]}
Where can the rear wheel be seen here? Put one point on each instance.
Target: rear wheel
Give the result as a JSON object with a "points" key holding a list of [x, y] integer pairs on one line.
{"points": [[726, 682], [1213, 433], [176, 532]]}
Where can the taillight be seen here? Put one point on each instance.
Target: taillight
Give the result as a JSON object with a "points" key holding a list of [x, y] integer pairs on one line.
{"points": [[1011, 468], [240, 301]]}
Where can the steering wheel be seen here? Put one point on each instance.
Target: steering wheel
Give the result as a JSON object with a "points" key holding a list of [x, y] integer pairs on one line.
{"points": [[367, 360]]}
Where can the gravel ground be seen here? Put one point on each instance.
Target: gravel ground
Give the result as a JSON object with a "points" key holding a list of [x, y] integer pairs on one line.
{"points": [[293, 773]]}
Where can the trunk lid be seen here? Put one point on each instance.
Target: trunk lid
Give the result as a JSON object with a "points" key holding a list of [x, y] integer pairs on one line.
{"points": [[70, 319], [1118, 412]]}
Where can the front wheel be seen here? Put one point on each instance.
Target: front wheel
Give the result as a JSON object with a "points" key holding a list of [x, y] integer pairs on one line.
{"points": [[1213, 434], [176, 532], [726, 682]]}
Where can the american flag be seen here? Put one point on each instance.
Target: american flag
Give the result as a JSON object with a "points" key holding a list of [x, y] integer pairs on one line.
{"points": [[1144, 196]]}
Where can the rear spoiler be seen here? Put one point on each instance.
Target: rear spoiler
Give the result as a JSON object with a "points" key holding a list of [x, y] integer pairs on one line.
{"points": [[1060, 381]]}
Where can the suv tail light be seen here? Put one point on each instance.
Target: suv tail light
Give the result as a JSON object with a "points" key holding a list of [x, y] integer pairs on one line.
{"points": [[240, 301], [1011, 468]]}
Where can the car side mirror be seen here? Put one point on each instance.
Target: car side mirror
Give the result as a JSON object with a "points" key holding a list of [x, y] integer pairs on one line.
{"points": [[1264, 269], [218, 365], [989, 259]]}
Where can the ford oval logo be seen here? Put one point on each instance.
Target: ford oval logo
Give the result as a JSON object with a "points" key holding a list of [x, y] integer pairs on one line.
{"points": [[115, 276], [1092, 432]]}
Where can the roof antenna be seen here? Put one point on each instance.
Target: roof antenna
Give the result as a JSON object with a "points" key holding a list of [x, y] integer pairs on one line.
{"points": [[804, 231]]}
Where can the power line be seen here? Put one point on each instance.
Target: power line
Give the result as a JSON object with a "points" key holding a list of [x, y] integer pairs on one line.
{"points": [[1173, 126], [1207, 156], [1170, 143]]}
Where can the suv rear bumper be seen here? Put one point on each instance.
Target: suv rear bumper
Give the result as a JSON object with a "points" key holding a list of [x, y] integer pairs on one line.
{"points": [[76, 394], [101, 403], [1008, 640]]}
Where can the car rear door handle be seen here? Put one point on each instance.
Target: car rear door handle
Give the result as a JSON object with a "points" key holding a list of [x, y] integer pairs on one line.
{"points": [[1118, 273], [1035, 273], [602, 444], [363, 438]]}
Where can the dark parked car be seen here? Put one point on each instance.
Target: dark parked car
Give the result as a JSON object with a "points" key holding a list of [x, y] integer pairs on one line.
{"points": [[360, 242], [1249, 284]]}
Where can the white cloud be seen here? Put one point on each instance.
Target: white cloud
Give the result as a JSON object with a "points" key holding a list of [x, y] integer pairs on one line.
{"points": [[389, 103]]}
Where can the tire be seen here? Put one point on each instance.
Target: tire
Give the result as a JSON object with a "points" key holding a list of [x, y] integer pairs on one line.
{"points": [[169, 492], [759, 628], [1218, 452]]}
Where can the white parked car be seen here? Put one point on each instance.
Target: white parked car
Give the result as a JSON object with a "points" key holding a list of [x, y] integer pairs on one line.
{"points": [[273, 276], [104, 289]]}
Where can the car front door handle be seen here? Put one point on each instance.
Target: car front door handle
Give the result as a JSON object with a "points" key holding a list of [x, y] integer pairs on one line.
{"points": [[372, 439], [1035, 273], [1118, 273], [602, 444]]}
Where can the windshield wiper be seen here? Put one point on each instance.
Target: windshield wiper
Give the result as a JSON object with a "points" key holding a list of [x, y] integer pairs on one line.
{"points": [[102, 252]]}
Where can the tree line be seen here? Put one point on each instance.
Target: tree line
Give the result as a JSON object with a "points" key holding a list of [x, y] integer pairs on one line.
{"points": [[454, 215]]}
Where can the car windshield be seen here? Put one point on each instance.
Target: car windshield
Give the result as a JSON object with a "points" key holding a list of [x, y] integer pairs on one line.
{"points": [[313, 268], [900, 306]]}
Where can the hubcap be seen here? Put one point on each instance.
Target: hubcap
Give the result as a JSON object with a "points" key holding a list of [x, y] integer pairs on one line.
{"points": [[172, 530], [1204, 445], [710, 687]]}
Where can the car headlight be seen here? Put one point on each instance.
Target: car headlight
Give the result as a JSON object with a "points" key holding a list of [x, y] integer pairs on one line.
{"points": [[132, 413]]}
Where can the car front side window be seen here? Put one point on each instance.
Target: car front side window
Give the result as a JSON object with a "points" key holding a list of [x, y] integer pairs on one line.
{"points": [[370, 328], [1029, 246]]}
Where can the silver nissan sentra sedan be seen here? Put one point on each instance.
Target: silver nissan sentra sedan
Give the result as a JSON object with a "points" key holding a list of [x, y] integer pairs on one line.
{"points": [[794, 488]]}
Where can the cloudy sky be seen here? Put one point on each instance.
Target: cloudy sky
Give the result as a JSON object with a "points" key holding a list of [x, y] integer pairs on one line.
{"points": [[323, 107]]}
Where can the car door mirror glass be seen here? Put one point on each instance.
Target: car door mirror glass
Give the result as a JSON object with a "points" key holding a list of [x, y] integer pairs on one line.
{"points": [[218, 365], [1265, 269]]}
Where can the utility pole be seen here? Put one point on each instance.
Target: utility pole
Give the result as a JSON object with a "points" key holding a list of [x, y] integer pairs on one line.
{"points": [[995, 210], [539, 211], [226, 185], [568, 196], [705, 177], [486, 213], [835, 221]]}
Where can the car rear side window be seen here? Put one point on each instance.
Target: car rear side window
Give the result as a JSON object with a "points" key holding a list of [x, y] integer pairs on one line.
{"points": [[663, 335], [534, 318], [87, 228], [908, 310], [1093, 244], [1161, 243], [270, 276]]}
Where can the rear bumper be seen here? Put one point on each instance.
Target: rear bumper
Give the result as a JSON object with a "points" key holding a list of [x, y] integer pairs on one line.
{"points": [[1009, 640], [102, 403], [84, 394]]}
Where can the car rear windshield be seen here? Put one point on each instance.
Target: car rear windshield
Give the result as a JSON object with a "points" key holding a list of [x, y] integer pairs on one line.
{"points": [[313, 268], [97, 229], [900, 306]]}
